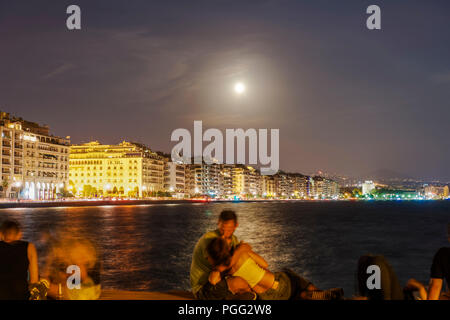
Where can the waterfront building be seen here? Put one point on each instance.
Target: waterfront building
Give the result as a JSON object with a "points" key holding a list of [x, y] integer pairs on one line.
{"points": [[367, 187], [268, 189], [300, 185], [204, 179], [189, 181], [125, 169], [284, 185], [324, 188], [435, 192], [310, 188], [174, 179], [318, 187], [333, 189], [34, 163], [226, 181], [246, 181]]}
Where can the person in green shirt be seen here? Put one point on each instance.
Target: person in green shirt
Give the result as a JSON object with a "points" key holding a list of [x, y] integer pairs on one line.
{"points": [[201, 267]]}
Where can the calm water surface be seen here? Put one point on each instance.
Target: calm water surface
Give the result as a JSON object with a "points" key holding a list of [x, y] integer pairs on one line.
{"points": [[150, 247]]}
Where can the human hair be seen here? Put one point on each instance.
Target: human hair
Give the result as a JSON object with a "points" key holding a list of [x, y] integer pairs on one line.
{"points": [[219, 251], [9, 228], [227, 215]]}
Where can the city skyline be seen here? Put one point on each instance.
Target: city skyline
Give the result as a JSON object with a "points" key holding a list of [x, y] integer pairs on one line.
{"points": [[348, 100], [381, 176]]}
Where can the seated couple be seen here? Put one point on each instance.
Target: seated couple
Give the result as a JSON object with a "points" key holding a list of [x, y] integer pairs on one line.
{"points": [[223, 268], [390, 288]]}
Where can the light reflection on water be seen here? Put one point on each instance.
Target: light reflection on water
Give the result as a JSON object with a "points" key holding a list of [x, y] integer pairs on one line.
{"points": [[149, 247]]}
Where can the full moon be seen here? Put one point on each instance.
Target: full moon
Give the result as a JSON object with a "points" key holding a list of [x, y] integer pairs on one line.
{"points": [[239, 88]]}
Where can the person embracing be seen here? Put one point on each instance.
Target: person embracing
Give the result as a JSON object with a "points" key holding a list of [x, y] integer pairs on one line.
{"points": [[247, 271], [201, 267]]}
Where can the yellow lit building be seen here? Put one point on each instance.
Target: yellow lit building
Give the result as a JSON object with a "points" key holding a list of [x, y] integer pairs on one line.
{"points": [[126, 169], [34, 163], [245, 181], [226, 181], [268, 188]]}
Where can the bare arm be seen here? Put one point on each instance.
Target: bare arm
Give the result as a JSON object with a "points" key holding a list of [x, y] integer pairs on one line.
{"points": [[413, 284], [33, 263], [259, 260], [214, 277], [242, 248], [435, 289]]}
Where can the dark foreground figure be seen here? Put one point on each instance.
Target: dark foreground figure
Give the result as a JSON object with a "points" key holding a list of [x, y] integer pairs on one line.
{"points": [[390, 288], [18, 263]]}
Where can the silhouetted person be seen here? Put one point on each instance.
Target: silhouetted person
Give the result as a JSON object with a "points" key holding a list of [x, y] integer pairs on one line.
{"points": [[440, 271], [19, 263], [390, 288]]}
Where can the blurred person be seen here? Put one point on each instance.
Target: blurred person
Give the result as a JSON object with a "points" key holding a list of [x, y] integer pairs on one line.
{"points": [[390, 288], [72, 251], [19, 263]]}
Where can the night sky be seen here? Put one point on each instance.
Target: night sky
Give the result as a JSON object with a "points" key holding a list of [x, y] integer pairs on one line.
{"points": [[346, 99]]}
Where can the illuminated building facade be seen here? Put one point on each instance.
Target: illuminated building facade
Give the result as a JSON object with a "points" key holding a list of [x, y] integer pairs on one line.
{"points": [[174, 179], [246, 181], [435, 192], [367, 187], [226, 181], [324, 188], [300, 183], [268, 189], [284, 185], [125, 170], [34, 164], [204, 179]]}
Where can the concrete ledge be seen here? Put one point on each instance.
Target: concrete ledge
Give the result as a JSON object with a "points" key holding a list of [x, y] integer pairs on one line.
{"points": [[144, 295]]}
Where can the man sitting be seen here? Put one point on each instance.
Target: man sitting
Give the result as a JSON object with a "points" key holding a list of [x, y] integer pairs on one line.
{"points": [[201, 267]]}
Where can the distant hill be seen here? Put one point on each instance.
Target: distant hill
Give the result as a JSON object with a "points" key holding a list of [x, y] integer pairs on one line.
{"points": [[387, 174]]}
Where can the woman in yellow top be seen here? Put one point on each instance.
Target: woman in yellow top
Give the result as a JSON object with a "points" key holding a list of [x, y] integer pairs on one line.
{"points": [[249, 272]]}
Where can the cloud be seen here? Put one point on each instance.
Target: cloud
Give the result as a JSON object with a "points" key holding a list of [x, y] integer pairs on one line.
{"points": [[441, 78], [58, 71]]}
